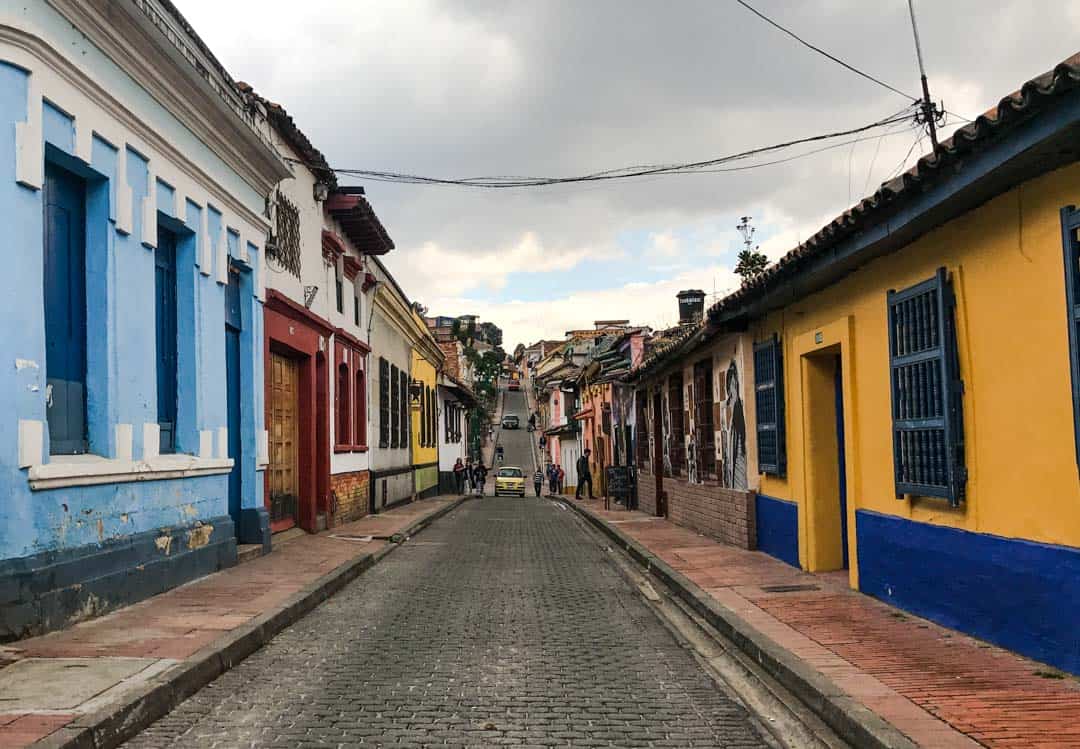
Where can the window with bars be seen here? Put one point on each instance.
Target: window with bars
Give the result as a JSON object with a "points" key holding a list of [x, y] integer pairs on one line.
{"points": [[703, 418], [927, 406], [384, 403], [676, 448], [403, 417], [769, 407], [395, 408], [1070, 239], [641, 437]]}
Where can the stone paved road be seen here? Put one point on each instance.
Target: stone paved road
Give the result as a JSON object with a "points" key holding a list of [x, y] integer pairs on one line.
{"points": [[503, 624]]}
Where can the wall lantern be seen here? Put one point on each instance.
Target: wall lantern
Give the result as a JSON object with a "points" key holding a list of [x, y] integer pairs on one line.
{"points": [[320, 191], [415, 388], [309, 295], [369, 281]]}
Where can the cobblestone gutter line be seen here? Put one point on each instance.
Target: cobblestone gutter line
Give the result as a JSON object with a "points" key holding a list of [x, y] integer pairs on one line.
{"points": [[113, 725], [852, 721]]}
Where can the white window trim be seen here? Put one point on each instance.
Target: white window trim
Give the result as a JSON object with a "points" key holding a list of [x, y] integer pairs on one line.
{"points": [[88, 470]]}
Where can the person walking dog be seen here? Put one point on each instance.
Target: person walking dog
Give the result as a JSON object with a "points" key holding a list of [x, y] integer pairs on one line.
{"points": [[583, 474]]}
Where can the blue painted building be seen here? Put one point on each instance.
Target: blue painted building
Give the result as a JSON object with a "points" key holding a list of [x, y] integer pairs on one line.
{"points": [[133, 178]]}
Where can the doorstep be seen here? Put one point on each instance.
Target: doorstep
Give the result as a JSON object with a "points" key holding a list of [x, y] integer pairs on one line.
{"points": [[877, 675], [97, 683]]}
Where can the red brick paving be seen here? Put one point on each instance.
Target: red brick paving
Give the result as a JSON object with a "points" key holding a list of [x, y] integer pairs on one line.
{"points": [[941, 688], [179, 622]]}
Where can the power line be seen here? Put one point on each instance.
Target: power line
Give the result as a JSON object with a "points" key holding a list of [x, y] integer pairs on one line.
{"points": [[820, 51], [647, 170]]}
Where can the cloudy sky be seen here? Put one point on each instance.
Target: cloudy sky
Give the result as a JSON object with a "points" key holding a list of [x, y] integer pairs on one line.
{"points": [[457, 88]]}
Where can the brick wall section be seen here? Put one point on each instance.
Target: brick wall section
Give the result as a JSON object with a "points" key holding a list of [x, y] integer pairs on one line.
{"points": [[726, 515], [450, 366], [646, 493], [351, 490]]}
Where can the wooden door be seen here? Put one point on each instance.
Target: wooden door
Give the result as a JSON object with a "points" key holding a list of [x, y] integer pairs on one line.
{"points": [[658, 454], [283, 473]]}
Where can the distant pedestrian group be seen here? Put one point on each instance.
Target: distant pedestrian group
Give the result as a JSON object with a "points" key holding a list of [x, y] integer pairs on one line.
{"points": [[555, 477], [469, 478]]}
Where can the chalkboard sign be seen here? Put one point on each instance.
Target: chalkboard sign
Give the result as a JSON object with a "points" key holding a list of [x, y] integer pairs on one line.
{"points": [[619, 481]]}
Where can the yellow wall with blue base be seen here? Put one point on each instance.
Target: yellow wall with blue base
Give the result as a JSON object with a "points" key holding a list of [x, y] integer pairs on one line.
{"points": [[1023, 490]]}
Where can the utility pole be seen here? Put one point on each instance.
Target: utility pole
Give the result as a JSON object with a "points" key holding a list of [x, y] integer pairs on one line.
{"points": [[929, 111]]}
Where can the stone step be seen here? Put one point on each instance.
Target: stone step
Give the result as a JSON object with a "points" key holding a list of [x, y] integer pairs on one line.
{"points": [[247, 552]]}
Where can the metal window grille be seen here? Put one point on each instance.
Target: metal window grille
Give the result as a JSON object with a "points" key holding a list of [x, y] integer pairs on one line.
{"points": [[676, 450], [703, 418], [384, 403], [286, 250], [769, 407], [403, 387], [1070, 239], [395, 408], [641, 435], [928, 427]]}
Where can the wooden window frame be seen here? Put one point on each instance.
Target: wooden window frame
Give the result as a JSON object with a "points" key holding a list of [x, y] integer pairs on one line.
{"points": [[404, 409], [351, 405], [676, 424], [704, 428], [384, 403], [395, 407]]}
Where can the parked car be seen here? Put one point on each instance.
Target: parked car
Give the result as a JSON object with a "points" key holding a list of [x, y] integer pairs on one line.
{"points": [[515, 385], [510, 480], [510, 421]]}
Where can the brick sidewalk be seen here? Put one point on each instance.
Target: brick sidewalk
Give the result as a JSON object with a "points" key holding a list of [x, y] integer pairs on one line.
{"points": [[937, 686], [164, 630]]}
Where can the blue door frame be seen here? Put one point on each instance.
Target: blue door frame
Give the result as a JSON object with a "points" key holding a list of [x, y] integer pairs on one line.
{"points": [[841, 461], [233, 328], [64, 205]]}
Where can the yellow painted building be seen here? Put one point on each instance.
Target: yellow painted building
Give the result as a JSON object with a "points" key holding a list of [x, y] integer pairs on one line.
{"points": [[927, 440], [427, 360]]}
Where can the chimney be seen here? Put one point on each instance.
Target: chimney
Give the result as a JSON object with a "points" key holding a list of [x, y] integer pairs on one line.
{"points": [[691, 306]]}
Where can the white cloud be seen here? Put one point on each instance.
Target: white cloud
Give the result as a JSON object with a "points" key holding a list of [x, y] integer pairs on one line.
{"points": [[663, 244]]}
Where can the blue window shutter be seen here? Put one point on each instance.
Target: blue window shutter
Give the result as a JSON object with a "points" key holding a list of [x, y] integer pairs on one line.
{"points": [[64, 291], [1070, 239], [927, 393], [165, 334], [769, 407]]}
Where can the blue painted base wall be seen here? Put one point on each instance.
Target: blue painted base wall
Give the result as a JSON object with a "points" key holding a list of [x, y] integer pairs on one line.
{"points": [[53, 589], [1022, 595], [777, 528]]}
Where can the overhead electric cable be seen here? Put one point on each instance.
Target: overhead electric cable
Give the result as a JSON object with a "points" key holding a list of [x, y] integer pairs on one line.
{"points": [[503, 182]]}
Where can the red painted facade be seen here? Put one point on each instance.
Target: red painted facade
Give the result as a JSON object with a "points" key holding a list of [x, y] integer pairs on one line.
{"points": [[295, 332]]}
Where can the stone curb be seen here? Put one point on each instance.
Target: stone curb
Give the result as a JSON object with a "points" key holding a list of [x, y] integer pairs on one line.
{"points": [[852, 721], [115, 724]]}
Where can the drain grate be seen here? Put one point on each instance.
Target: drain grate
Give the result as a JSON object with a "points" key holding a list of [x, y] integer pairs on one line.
{"points": [[788, 588]]}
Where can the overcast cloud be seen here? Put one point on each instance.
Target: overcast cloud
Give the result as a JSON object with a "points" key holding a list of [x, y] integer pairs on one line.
{"points": [[475, 87]]}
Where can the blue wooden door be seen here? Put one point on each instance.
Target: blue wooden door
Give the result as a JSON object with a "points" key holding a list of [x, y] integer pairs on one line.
{"points": [[165, 316], [841, 459], [64, 202], [233, 328]]}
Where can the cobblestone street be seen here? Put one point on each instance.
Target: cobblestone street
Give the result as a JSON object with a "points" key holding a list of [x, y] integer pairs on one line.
{"points": [[502, 624]]}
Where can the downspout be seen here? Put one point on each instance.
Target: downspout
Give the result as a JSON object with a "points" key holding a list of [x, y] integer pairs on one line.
{"points": [[372, 495]]}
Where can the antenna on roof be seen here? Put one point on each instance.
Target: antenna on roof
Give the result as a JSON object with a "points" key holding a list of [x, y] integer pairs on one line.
{"points": [[930, 112]]}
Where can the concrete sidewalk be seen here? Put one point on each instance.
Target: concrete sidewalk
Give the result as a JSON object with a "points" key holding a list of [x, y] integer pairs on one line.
{"points": [[96, 683], [875, 674]]}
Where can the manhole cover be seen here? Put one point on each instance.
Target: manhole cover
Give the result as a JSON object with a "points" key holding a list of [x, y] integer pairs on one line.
{"points": [[788, 588]]}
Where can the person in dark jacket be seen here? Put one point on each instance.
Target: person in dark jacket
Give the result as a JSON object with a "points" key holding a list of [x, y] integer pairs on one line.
{"points": [[553, 479], [479, 477], [584, 476], [459, 476]]}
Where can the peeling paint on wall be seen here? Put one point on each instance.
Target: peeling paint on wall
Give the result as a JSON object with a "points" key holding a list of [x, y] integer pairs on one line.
{"points": [[164, 543], [199, 536], [21, 364]]}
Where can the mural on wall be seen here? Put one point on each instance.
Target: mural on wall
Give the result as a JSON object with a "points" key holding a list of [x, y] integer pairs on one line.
{"points": [[731, 430], [692, 474], [692, 461]]}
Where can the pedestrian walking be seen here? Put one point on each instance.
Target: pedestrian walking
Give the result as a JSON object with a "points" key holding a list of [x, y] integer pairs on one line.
{"points": [[459, 476], [479, 477], [584, 476], [553, 479], [538, 481], [561, 476]]}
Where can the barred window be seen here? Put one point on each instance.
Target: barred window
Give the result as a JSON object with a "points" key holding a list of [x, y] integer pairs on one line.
{"points": [[703, 418], [641, 438], [384, 403], [403, 405], [395, 408], [676, 449], [928, 425], [769, 407]]}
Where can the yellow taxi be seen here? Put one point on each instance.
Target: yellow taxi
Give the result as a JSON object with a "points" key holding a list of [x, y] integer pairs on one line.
{"points": [[510, 480]]}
